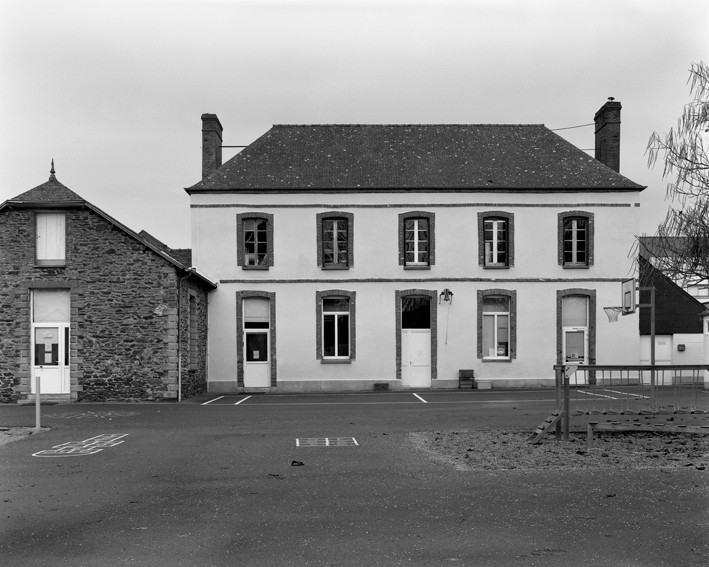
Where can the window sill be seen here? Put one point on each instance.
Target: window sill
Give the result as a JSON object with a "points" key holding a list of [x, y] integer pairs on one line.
{"points": [[417, 267], [576, 266], [500, 267], [50, 265], [255, 267], [335, 267], [336, 361], [497, 360]]}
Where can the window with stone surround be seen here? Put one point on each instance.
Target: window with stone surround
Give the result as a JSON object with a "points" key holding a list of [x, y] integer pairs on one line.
{"points": [[575, 239], [497, 325], [50, 234], [335, 325], [495, 239], [335, 240], [416, 240], [254, 249]]}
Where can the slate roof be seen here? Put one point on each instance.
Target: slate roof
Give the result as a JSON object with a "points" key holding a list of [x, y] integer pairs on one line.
{"points": [[49, 191], [52, 193], [413, 157]]}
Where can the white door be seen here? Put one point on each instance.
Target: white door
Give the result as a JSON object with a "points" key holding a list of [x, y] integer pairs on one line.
{"points": [[50, 354], [576, 352], [257, 367], [257, 343], [416, 358]]}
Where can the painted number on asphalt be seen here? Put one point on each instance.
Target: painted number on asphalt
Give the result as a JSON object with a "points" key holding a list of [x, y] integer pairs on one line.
{"points": [[86, 447]]}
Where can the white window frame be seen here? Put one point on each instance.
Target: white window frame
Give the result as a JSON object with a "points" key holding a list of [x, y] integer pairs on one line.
{"points": [[417, 241], [332, 227], [493, 251], [575, 241], [337, 316], [495, 315]]}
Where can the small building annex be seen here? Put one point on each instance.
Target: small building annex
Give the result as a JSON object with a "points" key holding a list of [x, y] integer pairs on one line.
{"points": [[349, 256], [95, 310]]}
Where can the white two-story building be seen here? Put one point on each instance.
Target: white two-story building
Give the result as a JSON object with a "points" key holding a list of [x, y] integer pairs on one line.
{"points": [[355, 255]]}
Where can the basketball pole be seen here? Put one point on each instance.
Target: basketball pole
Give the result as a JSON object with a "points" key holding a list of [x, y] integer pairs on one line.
{"points": [[651, 305]]}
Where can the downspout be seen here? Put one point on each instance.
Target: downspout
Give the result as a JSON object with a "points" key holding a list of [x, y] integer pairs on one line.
{"points": [[179, 334]]}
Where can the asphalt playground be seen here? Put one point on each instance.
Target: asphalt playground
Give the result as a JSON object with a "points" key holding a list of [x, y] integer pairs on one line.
{"points": [[322, 479]]}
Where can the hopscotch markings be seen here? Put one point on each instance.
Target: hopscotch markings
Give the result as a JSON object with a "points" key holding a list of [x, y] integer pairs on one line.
{"points": [[420, 398], [242, 400], [326, 442], [86, 447], [622, 395], [210, 401]]}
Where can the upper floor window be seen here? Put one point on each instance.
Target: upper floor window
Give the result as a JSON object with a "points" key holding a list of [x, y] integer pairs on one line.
{"points": [[495, 237], [254, 240], [50, 231], [335, 235], [416, 240], [576, 239]]}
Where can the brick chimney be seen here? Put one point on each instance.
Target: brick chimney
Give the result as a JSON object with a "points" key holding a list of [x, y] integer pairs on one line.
{"points": [[211, 144], [607, 121]]}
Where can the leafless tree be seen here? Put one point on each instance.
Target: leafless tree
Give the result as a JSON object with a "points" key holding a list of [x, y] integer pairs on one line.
{"points": [[680, 248]]}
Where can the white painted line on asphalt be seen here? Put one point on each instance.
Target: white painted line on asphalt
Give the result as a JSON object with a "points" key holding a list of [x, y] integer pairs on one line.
{"points": [[628, 394], [242, 400], [210, 401], [326, 442], [420, 398], [81, 448]]}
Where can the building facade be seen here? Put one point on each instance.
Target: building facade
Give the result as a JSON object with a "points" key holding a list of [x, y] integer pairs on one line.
{"points": [[93, 309], [352, 256]]}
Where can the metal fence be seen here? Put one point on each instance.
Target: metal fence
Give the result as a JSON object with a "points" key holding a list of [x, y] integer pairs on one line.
{"points": [[628, 390]]}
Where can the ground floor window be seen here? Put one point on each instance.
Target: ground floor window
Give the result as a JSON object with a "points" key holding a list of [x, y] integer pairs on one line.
{"points": [[336, 330], [496, 324]]}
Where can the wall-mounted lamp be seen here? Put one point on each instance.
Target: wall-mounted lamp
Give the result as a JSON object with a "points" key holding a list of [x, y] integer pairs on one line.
{"points": [[446, 295]]}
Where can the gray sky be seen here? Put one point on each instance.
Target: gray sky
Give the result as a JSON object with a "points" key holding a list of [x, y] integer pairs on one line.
{"points": [[114, 90]]}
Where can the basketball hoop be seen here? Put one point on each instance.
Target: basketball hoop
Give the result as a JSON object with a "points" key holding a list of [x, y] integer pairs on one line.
{"points": [[612, 313]]}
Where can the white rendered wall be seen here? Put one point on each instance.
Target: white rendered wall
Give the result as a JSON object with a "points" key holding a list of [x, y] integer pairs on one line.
{"points": [[376, 275]]}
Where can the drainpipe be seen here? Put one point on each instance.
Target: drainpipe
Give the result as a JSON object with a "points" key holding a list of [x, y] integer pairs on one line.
{"points": [[179, 334], [705, 329]]}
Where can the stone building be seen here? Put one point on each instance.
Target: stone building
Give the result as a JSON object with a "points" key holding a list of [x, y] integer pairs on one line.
{"points": [[95, 310], [350, 256]]}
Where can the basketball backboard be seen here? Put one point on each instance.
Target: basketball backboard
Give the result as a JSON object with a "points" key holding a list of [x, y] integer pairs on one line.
{"points": [[628, 299]]}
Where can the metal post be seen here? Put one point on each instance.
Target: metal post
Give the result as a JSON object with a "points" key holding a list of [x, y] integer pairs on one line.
{"points": [[652, 348], [558, 374], [566, 405], [37, 419]]}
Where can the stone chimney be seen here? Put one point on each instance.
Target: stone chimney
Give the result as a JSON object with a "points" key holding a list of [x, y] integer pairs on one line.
{"points": [[211, 144], [607, 121]]}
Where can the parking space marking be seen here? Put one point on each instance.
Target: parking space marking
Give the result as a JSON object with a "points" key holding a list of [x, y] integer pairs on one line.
{"points": [[210, 401], [420, 398], [81, 448], [326, 442], [242, 400], [622, 396]]}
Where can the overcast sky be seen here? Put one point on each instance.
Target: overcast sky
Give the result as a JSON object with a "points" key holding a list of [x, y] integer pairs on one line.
{"points": [[113, 91]]}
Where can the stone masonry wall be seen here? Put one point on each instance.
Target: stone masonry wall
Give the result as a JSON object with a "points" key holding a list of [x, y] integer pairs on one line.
{"points": [[124, 310]]}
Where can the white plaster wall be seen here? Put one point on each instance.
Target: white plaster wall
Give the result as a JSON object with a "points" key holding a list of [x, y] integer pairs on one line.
{"points": [[295, 278]]}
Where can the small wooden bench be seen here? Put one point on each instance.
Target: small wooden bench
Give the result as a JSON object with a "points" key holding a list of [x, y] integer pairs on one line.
{"points": [[645, 427]]}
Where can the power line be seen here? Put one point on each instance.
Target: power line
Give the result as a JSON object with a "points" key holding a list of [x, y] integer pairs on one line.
{"points": [[570, 127]]}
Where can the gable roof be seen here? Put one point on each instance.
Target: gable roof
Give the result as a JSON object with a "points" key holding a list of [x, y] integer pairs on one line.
{"points": [[53, 194], [676, 311], [478, 157]]}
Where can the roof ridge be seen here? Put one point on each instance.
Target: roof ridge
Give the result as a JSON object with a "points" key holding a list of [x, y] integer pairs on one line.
{"points": [[390, 125]]}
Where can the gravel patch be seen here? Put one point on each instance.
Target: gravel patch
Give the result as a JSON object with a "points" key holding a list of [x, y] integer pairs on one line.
{"points": [[468, 450], [10, 434]]}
